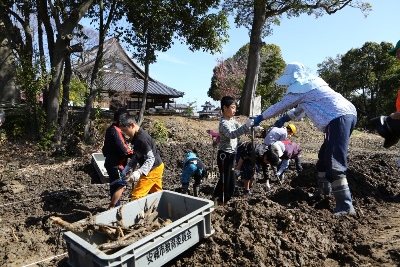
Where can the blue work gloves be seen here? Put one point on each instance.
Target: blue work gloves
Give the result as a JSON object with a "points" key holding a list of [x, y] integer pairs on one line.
{"points": [[279, 123], [125, 171], [258, 119]]}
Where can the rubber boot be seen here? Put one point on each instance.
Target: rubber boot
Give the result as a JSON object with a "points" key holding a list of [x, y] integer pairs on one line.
{"points": [[196, 190], [185, 188], [324, 187], [344, 203]]}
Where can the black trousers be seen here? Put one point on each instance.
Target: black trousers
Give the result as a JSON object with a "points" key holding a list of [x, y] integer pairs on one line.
{"points": [[225, 187]]}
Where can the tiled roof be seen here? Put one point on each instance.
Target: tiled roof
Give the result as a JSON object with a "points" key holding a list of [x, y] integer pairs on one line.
{"points": [[121, 82], [120, 73]]}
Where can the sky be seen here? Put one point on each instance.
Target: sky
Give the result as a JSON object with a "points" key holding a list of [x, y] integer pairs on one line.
{"points": [[304, 39]]}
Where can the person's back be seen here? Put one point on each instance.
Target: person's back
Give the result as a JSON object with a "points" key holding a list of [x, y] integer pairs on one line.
{"points": [[275, 134], [115, 149], [192, 167], [322, 105], [116, 152], [143, 143], [292, 149]]}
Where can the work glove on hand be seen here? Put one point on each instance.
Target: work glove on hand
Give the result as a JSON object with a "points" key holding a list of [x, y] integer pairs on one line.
{"points": [[258, 129], [279, 123], [280, 177], [257, 120], [134, 177], [125, 171], [249, 122]]}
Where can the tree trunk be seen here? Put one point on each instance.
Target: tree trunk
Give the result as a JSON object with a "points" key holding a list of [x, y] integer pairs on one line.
{"points": [[146, 83], [8, 86], [61, 49], [103, 28], [65, 98], [253, 63], [94, 90], [53, 105]]}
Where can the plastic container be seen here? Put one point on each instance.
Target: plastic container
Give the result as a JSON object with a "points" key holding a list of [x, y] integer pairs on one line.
{"points": [[191, 222], [98, 160]]}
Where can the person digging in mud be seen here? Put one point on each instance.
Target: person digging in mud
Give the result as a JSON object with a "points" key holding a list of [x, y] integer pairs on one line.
{"points": [[116, 152], [148, 176], [192, 167], [244, 167], [279, 155], [274, 133], [229, 131], [309, 95]]}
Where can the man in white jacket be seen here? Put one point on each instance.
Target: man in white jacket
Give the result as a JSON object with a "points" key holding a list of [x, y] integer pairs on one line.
{"points": [[309, 95]]}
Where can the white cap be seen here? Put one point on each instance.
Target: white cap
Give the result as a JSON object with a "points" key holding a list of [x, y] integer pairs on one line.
{"points": [[278, 147], [293, 71], [299, 79]]}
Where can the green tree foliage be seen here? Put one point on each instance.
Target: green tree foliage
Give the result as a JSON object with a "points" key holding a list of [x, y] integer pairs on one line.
{"points": [[78, 92], [367, 76], [158, 132], [260, 15], [190, 110], [155, 24], [32, 82], [229, 75], [272, 67]]}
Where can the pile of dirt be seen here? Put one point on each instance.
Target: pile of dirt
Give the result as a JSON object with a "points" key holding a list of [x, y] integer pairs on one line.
{"points": [[281, 227]]}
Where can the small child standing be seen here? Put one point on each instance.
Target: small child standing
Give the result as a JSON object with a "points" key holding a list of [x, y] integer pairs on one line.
{"points": [[149, 174], [229, 131]]}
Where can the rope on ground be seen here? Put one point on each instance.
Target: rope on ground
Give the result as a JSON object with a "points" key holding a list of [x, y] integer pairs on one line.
{"points": [[47, 259]]}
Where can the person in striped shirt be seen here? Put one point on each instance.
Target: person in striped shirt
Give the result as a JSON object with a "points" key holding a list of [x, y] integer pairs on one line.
{"points": [[229, 131]]}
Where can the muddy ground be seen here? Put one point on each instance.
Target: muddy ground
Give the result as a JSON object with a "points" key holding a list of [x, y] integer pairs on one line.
{"points": [[279, 228]]}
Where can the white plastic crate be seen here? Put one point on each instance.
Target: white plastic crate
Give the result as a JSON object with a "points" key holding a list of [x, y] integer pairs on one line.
{"points": [[191, 222], [98, 160]]}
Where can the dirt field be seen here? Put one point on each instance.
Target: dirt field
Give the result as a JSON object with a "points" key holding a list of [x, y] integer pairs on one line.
{"points": [[279, 228]]}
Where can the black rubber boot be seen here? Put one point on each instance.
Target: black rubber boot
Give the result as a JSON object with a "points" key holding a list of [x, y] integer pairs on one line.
{"points": [[185, 188], [196, 190], [324, 187], [344, 203]]}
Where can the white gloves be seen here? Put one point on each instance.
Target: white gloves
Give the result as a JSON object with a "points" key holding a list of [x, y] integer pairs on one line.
{"points": [[249, 122], [258, 129], [134, 177]]}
